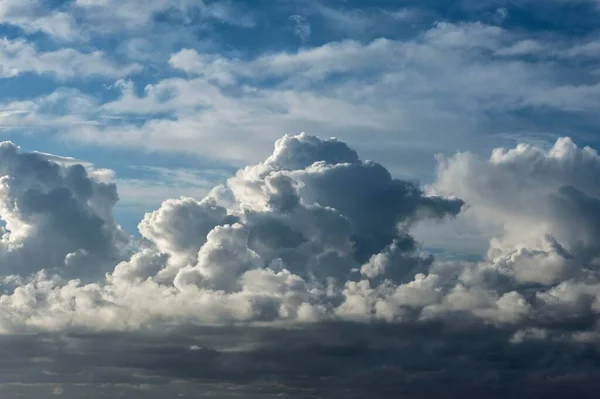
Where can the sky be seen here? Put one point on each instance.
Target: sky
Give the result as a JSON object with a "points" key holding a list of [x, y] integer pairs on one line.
{"points": [[299, 198]]}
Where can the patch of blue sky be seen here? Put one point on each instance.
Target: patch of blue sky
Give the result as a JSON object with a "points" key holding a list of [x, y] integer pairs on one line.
{"points": [[25, 86], [13, 32]]}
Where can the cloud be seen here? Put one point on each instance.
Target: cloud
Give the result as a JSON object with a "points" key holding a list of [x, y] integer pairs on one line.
{"points": [[365, 21], [556, 187], [108, 16], [31, 16], [260, 246], [289, 239], [302, 274], [333, 361], [302, 27], [134, 13], [19, 57], [308, 255], [55, 217], [493, 80], [489, 75], [535, 200]]}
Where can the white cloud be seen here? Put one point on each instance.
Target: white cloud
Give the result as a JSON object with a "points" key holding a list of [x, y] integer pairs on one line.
{"points": [[55, 217], [261, 247], [289, 239], [527, 190], [30, 16], [310, 238], [302, 27], [313, 236], [388, 89], [19, 56]]}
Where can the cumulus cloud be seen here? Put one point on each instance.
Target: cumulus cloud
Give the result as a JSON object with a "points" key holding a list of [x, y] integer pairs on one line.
{"points": [[55, 217], [315, 233], [312, 243], [542, 204], [277, 241], [538, 198]]}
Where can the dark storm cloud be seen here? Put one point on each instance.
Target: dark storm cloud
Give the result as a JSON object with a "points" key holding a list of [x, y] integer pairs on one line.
{"points": [[325, 361]]}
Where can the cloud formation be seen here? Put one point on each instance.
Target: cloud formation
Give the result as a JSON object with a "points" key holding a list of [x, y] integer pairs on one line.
{"points": [[31, 16], [19, 57], [267, 245], [494, 80], [55, 217], [308, 273], [312, 243]]}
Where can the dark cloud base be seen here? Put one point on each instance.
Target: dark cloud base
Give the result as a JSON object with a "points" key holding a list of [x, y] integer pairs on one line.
{"points": [[326, 361]]}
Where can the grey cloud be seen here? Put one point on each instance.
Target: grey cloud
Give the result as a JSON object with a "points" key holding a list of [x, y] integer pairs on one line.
{"points": [[327, 195], [299, 276], [179, 228], [543, 205], [277, 241], [313, 232], [51, 212], [531, 193], [326, 361]]}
